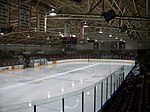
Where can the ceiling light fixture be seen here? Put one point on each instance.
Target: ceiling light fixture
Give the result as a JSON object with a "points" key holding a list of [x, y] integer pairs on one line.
{"points": [[73, 35], [28, 36], [100, 31], [110, 35], [85, 25], [52, 13], [47, 38], [2, 33]]}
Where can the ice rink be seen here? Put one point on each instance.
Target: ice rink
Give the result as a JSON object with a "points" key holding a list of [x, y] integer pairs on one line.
{"points": [[52, 82]]}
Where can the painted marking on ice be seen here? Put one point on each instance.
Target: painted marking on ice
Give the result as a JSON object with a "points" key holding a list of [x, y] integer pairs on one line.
{"points": [[48, 77]]}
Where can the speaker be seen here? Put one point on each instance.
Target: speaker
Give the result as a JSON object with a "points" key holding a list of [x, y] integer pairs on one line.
{"points": [[109, 15]]}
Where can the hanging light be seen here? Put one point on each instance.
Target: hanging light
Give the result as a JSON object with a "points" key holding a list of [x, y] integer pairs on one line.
{"points": [[85, 25], [28, 36], [2, 33], [47, 38], [100, 31], [121, 39], [110, 35], [116, 38], [52, 13]]}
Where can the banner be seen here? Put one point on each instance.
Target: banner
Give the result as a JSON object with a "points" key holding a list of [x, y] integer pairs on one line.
{"points": [[4, 13], [67, 28], [41, 20], [24, 16]]}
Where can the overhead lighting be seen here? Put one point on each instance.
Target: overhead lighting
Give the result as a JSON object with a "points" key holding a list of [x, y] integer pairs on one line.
{"points": [[61, 35], [52, 13], [100, 31], [121, 39], [110, 35], [102, 41], [47, 38], [124, 41], [96, 40], [2, 33], [28, 36], [85, 25], [73, 35], [116, 38], [87, 39]]}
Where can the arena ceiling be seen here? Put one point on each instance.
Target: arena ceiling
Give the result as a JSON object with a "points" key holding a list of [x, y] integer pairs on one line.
{"points": [[134, 14]]}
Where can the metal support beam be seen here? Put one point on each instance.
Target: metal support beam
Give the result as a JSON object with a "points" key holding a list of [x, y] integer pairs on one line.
{"points": [[135, 8], [147, 3], [94, 6]]}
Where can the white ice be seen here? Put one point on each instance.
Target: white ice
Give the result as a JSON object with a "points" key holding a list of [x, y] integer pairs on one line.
{"points": [[52, 82]]}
